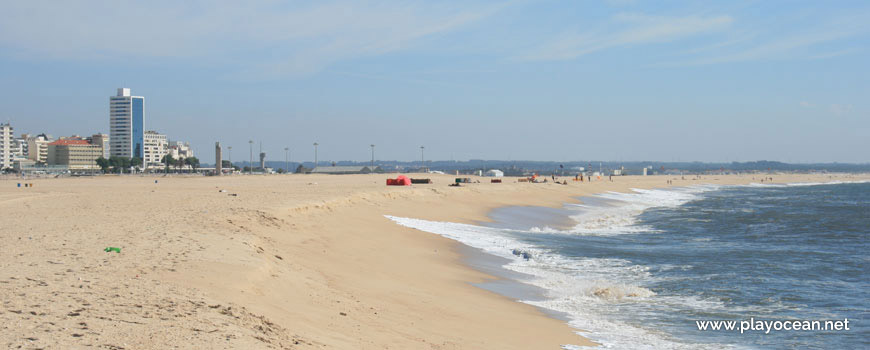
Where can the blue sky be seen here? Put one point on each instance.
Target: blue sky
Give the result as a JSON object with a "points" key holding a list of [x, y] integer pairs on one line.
{"points": [[542, 80]]}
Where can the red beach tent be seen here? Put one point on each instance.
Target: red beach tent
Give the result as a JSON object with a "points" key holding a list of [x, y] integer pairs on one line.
{"points": [[402, 180]]}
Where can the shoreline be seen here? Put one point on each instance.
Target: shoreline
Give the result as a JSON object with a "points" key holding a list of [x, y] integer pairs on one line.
{"points": [[516, 285], [311, 259]]}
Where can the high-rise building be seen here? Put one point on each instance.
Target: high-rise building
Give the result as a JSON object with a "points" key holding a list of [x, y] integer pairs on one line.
{"points": [[6, 146], [126, 125], [156, 146]]}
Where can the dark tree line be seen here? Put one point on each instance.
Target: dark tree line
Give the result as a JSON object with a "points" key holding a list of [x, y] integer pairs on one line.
{"points": [[119, 165]]}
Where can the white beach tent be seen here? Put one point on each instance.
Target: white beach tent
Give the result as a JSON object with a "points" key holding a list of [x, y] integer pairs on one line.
{"points": [[495, 173]]}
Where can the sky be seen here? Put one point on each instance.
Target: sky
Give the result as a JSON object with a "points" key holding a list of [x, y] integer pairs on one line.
{"points": [[612, 80]]}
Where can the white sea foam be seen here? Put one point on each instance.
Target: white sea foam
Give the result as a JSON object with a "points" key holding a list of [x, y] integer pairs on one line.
{"points": [[589, 290], [595, 291], [802, 184], [617, 214]]}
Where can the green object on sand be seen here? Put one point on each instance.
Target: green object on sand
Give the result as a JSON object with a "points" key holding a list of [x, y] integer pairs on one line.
{"points": [[112, 249]]}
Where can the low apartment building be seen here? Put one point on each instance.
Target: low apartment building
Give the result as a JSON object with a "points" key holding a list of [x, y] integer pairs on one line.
{"points": [[75, 154]]}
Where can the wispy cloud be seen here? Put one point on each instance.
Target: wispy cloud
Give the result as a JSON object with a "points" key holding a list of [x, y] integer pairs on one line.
{"points": [[405, 80], [773, 49], [262, 38], [772, 43], [840, 109], [624, 30], [837, 53], [268, 39], [806, 104]]}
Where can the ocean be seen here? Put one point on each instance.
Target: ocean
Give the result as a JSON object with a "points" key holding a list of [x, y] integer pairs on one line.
{"points": [[639, 270]]}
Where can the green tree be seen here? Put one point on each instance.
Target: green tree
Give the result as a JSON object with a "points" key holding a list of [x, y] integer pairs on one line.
{"points": [[136, 162], [168, 160], [193, 162], [103, 163], [125, 164], [117, 164]]}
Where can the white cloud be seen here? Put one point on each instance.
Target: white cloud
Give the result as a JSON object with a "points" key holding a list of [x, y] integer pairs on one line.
{"points": [[832, 54], [840, 109], [627, 30], [806, 104], [775, 49], [812, 41], [278, 39]]}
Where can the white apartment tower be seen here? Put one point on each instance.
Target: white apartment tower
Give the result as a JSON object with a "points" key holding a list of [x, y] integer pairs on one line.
{"points": [[126, 125], [37, 148], [156, 146], [6, 140]]}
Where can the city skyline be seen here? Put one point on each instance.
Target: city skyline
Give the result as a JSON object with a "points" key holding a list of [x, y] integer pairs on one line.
{"points": [[615, 80]]}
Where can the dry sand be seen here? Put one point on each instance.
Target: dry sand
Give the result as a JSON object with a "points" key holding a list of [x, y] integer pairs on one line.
{"points": [[298, 261]]}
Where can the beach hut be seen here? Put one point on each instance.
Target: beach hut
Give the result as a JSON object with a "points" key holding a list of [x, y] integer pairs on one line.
{"points": [[401, 180], [495, 173]]}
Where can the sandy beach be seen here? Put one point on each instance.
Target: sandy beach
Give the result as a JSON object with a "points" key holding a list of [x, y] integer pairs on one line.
{"points": [[294, 261]]}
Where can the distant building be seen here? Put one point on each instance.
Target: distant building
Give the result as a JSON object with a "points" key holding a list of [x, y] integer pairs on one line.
{"points": [[20, 164], [126, 125], [37, 148], [218, 159], [343, 170], [262, 160], [19, 146], [156, 147], [102, 140], [179, 149], [6, 146], [74, 153]]}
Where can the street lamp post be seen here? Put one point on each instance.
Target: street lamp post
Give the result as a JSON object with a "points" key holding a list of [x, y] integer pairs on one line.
{"points": [[230, 149], [251, 161], [422, 159], [315, 154], [373, 157], [286, 159]]}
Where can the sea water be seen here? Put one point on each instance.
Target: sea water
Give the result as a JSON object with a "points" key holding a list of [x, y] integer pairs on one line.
{"points": [[638, 270]]}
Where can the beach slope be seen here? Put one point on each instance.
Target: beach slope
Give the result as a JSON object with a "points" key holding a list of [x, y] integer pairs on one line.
{"points": [[265, 262]]}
